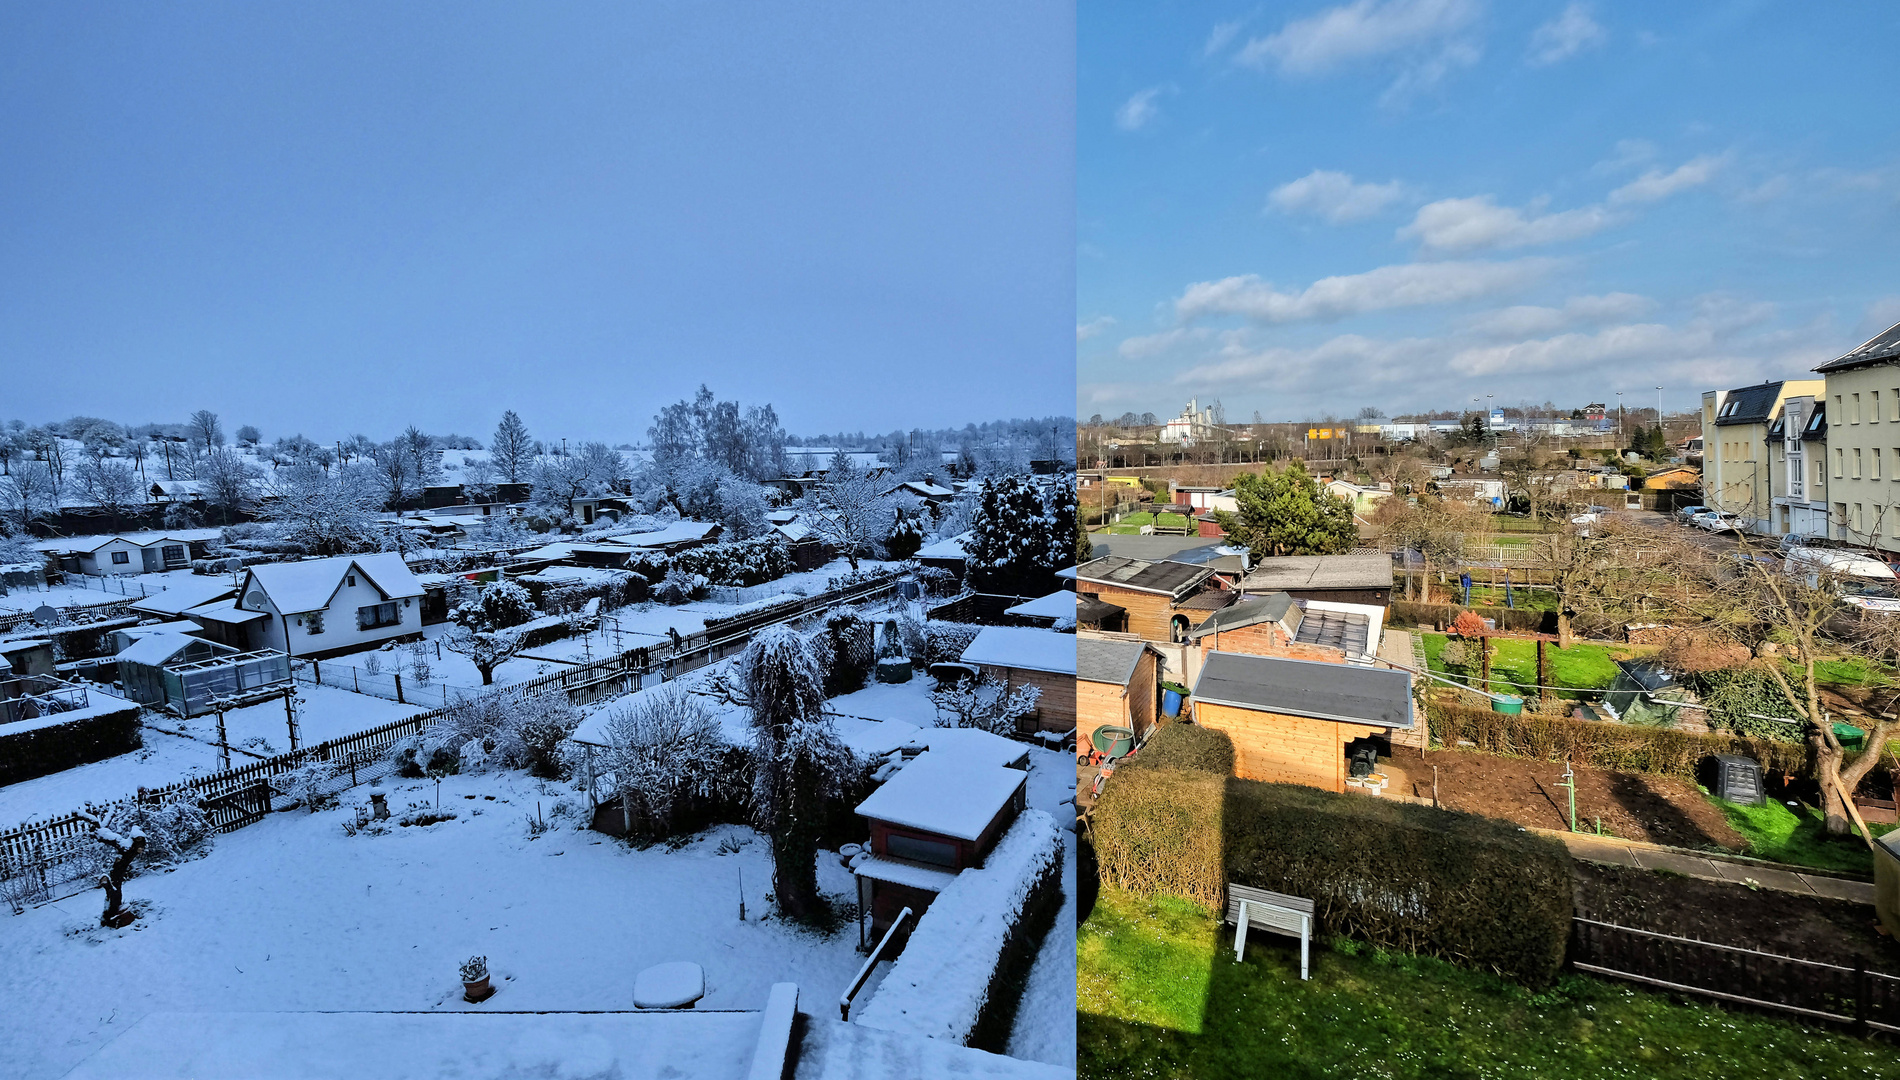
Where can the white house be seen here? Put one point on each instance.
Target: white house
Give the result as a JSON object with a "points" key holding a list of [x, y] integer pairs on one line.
{"points": [[124, 555], [319, 607]]}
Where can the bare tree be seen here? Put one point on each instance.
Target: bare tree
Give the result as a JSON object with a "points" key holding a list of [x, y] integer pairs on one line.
{"points": [[125, 847], [486, 649], [848, 511], [206, 432]]}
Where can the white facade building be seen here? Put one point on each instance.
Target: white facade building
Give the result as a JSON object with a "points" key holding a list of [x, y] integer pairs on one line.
{"points": [[319, 607]]}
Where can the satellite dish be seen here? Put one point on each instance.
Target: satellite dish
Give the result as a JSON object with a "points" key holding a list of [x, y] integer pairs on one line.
{"points": [[46, 615]]}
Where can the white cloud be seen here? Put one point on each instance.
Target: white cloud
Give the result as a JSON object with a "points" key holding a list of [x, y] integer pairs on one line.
{"points": [[1479, 223], [1566, 35], [1221, 36], [1361, 30], [1087, 330], [1405, 285], [1526, 320], [1149, 346], [1334, 196], [1141, 109], [1660, 184], [1629, 154]]}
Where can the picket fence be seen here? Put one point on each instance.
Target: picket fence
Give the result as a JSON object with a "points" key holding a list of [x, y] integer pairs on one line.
{"points": [[73, 614], [44, 855]]}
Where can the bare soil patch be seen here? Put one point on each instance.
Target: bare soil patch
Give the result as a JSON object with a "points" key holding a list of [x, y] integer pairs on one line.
{"points": [[1787, 924], [1634, 806]]}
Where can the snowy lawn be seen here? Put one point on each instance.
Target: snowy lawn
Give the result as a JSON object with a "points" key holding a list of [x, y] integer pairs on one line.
{"points": [[291, 914], [81, 591], [167, 758], [1045, 1019]]}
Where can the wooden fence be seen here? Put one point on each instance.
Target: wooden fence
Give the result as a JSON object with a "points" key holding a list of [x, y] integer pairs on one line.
{"points": [[237, 797], [76, 613], [1830, 993]]}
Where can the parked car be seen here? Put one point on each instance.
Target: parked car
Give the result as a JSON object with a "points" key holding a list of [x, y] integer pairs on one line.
{"points": [[1718, 521], [1684, 513], [1790, 541], [1862, 580]]}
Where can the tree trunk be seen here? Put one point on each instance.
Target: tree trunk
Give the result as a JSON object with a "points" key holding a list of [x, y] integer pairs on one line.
{"points": [[114, 881], [488, 676], [1827, 769]]}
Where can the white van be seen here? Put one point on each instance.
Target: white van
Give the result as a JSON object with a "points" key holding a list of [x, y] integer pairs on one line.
{"points": [[1865, 582]]}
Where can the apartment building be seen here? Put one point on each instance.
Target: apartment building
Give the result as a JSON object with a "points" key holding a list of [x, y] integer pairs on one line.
{"points": [[1735, 461], [1863, 442], [1798, 462]]}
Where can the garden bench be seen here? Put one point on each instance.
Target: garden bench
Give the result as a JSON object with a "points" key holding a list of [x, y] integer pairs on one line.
{"points": [[1257, 908]]}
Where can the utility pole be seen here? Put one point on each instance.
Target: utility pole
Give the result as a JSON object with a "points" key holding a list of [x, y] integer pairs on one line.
{"points": [[1619, 416]]}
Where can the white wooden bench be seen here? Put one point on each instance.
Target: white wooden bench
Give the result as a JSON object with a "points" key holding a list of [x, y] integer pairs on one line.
{"points": [[1278, 912]]}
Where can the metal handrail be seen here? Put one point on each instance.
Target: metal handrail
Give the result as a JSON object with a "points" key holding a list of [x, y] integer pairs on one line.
{"points": [[871, 961]]}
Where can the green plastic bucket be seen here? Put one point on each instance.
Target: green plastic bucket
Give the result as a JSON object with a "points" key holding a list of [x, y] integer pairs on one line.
{"points": [[1505, 703]]}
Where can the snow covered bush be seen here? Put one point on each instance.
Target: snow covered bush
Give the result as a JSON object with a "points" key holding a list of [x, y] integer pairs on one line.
{"points": [[944, 642], [937, 581], [986, 703], [853, 650], [487, 650], [308, 785], [739, 563], [499, 605], [537, 726], [665, 747], [679, 587], [906, 536], [174, 829], [521, 731]]}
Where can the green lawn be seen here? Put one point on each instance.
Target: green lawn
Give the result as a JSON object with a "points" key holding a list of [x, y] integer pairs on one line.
{"points": [[1787, 834], [1849, 671], [1137, 519], [1159, 995], [1514, 665], [1132, 522]]}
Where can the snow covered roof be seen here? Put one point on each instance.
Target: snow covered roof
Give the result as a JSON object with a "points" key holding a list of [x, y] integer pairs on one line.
{"points": [[977, 745], [1057, 605], [1023, 647], [951, 548], [677, 533], [189, 593], [308, 585], [556, 550], [897, 872], [570, 575], [155, 649], [793, 530], [225, 611], [138, 540], [955, 795]]}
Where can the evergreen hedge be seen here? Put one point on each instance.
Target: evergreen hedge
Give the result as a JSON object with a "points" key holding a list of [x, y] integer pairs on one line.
{"points": [[1401, 876], [1621, 747], [27, 752], [1408, 611]]}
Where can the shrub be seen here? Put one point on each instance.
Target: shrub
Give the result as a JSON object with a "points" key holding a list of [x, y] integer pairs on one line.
{"points": [[173, 828], [1620, 747], [1185, 746], [853, 652], [308, 784], [1405, 877], [944, 642]]}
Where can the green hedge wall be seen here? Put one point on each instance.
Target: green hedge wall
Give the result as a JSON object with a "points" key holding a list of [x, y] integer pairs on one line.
{"points": [[1440, 615], [1470, 889], [40, 751], [1622, 747]]}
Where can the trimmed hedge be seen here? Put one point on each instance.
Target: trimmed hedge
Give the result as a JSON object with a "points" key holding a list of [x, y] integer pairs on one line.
{"points": [[1473, 890], [1402, 876], [1621, 747], [1441, 615], [42, 751], [1184, 746]]}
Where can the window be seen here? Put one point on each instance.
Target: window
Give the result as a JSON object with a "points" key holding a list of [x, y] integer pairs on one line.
{"points": [[350, 580], [1797, 473], [377, 615], [174, 555], [929, 851], [1860, 518], [120, 558], [1873, 408], [1857, 463], [1840, 518], [313, 622], [1875, 475], [1856, 418], [1840, 463]]}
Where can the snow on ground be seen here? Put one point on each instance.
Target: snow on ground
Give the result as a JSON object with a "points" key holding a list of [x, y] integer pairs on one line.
{"points": [[906, 701], [291, 914], [167, 758], [80, 590]]}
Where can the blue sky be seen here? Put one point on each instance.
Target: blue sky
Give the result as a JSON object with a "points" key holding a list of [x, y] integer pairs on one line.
{"points": [[1303, 208], [350, 216]]}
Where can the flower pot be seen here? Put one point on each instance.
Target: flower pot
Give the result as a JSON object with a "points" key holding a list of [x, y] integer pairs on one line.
{"points": [[478, 990]]}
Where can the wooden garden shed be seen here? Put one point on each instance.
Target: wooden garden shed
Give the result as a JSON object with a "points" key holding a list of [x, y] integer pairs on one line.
{"points": [[1297, 721], [1117, 683]]}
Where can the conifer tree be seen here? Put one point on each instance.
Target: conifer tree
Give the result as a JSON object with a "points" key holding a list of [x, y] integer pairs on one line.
{"points": [[1287, 513]]}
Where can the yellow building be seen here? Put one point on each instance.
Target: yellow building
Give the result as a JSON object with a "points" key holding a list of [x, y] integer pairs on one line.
{"points": [[1735, 465]]}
